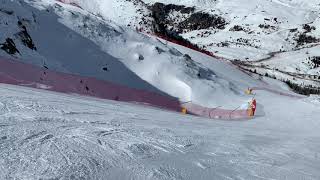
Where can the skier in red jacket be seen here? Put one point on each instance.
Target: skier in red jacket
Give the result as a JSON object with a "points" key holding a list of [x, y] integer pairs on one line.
{"points": [[253, 106]]}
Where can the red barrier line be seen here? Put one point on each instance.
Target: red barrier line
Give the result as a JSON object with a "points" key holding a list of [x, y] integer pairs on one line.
{"points": [[21, 74], [16, 73], [217, 113], [190, 46], [72, 3]]}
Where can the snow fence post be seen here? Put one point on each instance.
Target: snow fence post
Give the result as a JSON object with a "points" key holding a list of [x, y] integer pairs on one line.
{"points": [[184, 110]]}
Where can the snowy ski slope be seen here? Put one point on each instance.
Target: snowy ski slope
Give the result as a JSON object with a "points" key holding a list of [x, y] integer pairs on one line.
{"points": [[46, 135]]}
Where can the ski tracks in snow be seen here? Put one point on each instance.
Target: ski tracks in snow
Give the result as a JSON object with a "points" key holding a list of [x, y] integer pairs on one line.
{"points": [[74, 142], [56, 136]]}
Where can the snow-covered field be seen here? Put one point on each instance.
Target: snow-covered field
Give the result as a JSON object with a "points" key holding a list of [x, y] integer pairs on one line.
{"points": [[47, 135]]}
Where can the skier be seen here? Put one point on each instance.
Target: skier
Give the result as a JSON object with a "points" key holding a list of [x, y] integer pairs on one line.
{"points": [[248, 91], [252, 107]]}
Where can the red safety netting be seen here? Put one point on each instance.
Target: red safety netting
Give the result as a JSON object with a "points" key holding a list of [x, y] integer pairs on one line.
{"points": [[16, 73], [71, 2], [216, 113], [187, 45]]}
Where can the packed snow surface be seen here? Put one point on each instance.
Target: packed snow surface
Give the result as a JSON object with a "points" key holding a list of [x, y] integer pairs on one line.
{"points": [[46, 135]]}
